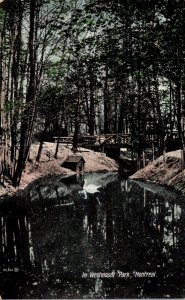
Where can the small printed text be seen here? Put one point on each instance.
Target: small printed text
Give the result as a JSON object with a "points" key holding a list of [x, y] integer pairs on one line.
{"points": [[119, 274]]}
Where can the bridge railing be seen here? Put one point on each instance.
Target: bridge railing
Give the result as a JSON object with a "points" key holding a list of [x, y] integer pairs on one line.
{"points": [[100, 139], [63, 140]]}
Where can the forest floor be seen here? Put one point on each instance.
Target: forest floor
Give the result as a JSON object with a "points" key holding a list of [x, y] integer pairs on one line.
{"points": [[95, 162], [166, 170]]}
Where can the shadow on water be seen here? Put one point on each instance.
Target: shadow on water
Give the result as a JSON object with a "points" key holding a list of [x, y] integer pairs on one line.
{"points": [[93, 237]]}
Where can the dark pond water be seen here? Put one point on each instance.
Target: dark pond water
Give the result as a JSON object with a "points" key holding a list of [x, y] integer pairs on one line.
{"points": [[93, 237]]}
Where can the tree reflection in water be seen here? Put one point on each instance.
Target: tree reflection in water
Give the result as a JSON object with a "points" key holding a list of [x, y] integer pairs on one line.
{"points": [[46, 245]]}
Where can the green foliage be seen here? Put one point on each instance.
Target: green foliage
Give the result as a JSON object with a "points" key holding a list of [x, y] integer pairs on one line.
{"points": [[50, 101], [113, 65]]}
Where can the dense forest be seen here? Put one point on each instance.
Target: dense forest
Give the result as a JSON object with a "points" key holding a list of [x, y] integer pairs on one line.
{"points": [[78, 67]]}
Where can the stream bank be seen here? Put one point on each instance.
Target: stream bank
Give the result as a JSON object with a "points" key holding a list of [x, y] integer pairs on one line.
{"points": [[48, 165], [166, 170]]}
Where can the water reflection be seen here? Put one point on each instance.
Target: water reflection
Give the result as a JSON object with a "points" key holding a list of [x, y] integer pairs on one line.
{"points": [[47, 244]]}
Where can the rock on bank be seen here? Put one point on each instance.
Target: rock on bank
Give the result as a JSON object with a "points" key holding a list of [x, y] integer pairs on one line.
{"points": [[166, 170]]}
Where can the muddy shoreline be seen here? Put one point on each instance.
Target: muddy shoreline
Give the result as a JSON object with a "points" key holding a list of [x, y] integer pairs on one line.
{"points": [[48, 165], [166, 171]]}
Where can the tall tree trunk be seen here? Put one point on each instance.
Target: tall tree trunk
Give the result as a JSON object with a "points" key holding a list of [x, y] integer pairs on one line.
{"points": [[180, 119], [41, 142], [139, 132], [29, 104], [77, 120], [92, 108], [106, 100], [15, 86], [160, 130], [59, 135]]}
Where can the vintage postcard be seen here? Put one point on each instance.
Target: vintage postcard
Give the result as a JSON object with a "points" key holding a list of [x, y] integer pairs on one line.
{"points": [[92, 149]]}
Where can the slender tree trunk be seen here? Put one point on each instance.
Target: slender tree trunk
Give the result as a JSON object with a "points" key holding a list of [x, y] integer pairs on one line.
{"points": [[106, 100], [121, 115], [170, 116], [160, 131], [58, 140], [77, 120], [180, 120], [41, 142], [115, 123], [15, 86], [29, 109], [92, 108], [139, 138]]}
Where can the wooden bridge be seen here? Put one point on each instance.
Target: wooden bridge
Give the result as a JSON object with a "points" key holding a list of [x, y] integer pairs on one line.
{"points": [[122, 147], [67, 140], [98, 140], [107, 143]]}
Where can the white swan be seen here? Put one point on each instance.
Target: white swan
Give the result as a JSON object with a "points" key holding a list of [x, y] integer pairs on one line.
{"points": [[90, 188]]}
